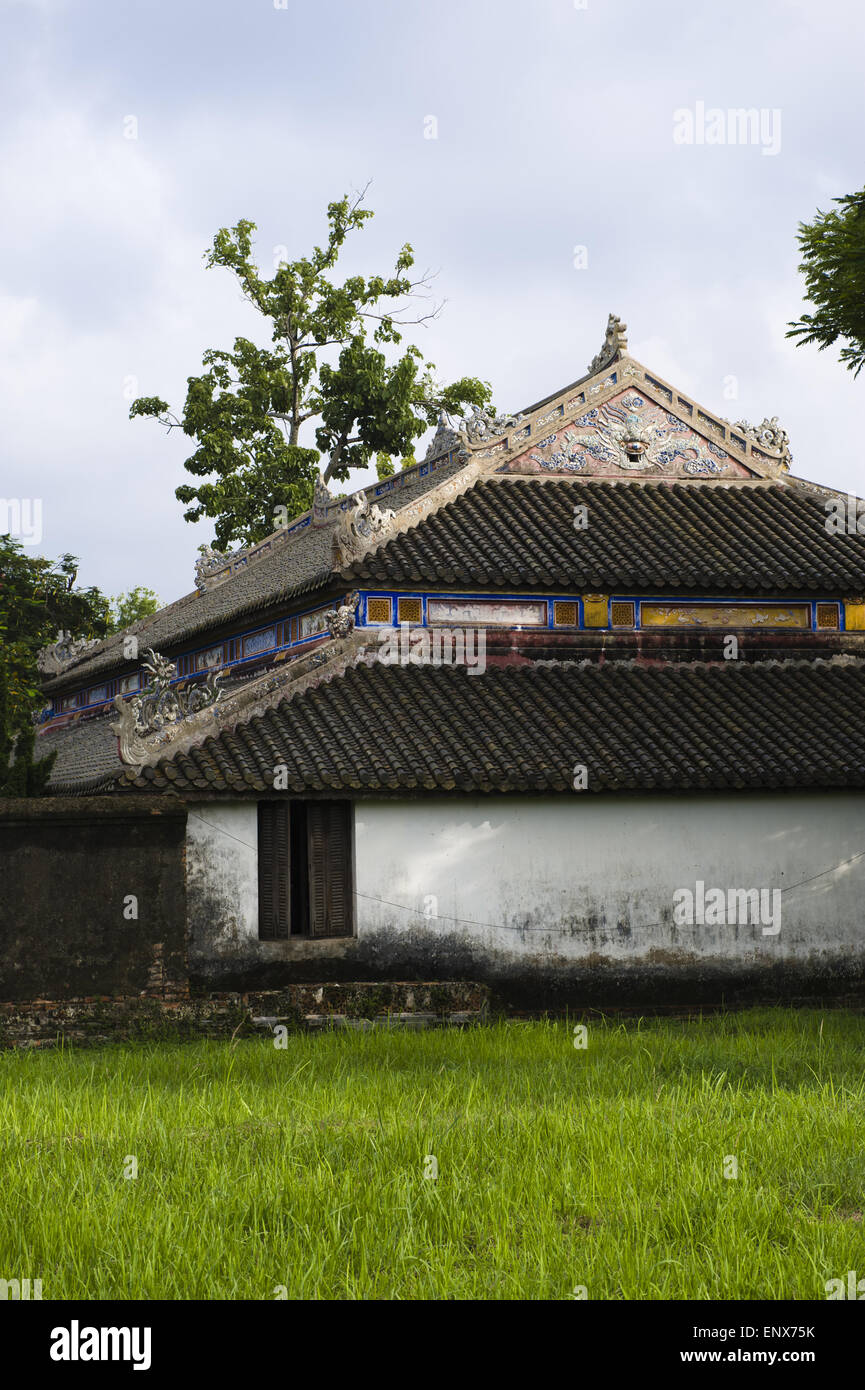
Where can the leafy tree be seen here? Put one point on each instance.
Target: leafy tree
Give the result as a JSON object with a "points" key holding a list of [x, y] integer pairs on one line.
{"points": [[248, 409], [130, 607], [37, 598], [21, 773], [385, 466], [833, 263]]}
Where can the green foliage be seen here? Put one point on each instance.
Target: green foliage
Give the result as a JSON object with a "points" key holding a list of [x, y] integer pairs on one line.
{"points": [[131, 607], [247, 409], [385, 466], [21, 774], [833, 263], [37, 599]]}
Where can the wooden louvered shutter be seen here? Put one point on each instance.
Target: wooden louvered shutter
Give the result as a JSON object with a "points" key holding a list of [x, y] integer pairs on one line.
{"points": [[340, 894], [330, 885], [273, 870]]}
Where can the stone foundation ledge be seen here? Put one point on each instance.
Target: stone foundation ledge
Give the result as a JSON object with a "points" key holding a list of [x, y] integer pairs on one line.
{"points": [[94, 1020], [368, 1000], [415, 1021]]}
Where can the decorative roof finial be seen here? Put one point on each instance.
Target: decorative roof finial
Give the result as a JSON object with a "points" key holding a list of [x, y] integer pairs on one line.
{"points": [[768, 435], [210, 561], [615, 343], [322, 496], [483, 425], [340, 621], [361, 527], [445, 437], [54, 659]]}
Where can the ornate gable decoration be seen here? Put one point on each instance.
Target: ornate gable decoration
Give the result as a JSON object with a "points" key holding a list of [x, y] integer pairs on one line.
{"points": [[629, 433], [482, 425], [768, 435], [621, 420], [153, 716], [54, 659], [340, 621], [362, 527], [147, 734]]}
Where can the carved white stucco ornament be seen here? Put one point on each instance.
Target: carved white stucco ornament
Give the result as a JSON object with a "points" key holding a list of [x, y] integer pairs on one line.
{"points": [[160, 707], [209, 562], [53, 659], [246, 701], [322, 497], [482, 425], [360, 528], [768, 435], [615, 342], [340, 621], [445, 438]]}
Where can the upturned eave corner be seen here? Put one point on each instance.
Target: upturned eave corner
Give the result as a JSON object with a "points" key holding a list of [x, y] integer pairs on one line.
{"points": [[144, 743]]}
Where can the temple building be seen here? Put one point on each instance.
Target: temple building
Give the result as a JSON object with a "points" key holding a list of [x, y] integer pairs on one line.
{"points": [[573, 709]]}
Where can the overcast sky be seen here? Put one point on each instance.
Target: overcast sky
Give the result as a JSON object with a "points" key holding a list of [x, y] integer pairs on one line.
{"points": [[556, 126]]}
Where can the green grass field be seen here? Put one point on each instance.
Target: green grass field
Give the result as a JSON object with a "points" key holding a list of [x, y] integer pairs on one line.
{"points": [[304, 1167]]}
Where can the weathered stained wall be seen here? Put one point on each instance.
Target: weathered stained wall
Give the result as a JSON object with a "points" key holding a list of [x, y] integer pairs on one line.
{"points": [[559, 900], [580, 894], [222, 888], [92, 897]]}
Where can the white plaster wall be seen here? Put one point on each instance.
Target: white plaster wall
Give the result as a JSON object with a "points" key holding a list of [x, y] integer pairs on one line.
{"points": [[572, 878], [222, 871], [578, 876]]}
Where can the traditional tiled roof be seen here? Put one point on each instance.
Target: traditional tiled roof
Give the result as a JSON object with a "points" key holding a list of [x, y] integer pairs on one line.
{"points": [[298, 566], [86, 754], [698, 506], [641, 535], [294, 568], [685, 727], [511, 531]]}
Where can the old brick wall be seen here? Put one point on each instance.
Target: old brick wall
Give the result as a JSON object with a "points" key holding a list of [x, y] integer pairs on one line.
{"points": [[92, 897], [81, 1022]]}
